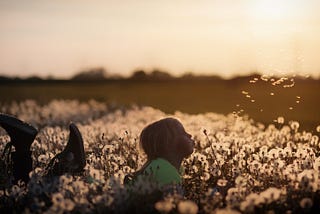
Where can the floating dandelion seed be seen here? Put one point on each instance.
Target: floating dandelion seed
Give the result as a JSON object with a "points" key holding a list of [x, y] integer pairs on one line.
{"points": [[261, 110], [252, 101], [244, 92], [248, 96], [297, 101], [238, 105], [318, 128], [271, 93], [290, 108], [298, 97]]}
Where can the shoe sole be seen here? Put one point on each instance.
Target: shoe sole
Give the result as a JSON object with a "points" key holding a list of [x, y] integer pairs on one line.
{"points": [[76, 131], [18, 124]]}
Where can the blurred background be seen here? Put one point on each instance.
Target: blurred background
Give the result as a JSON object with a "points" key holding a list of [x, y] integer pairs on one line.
{"points": [[255, 57]]}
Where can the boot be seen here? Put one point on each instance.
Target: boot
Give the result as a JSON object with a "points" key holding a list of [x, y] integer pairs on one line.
{"points": [[72, 159], [21, 137], [21, 134]]}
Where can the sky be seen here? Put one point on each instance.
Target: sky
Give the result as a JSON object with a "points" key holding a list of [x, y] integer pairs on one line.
{"points": [[227, 37]]}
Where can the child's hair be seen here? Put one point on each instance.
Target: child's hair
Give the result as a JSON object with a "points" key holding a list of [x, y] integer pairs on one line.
{"points": [[156, 137]]}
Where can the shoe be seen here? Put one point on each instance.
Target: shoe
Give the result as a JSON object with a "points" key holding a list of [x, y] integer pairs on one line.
{"points": [[72, 159], [18, 163], [21, 134]]}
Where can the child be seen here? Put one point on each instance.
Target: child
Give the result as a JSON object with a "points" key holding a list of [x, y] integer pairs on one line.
{"points": [[166, 144], [71, 159]]}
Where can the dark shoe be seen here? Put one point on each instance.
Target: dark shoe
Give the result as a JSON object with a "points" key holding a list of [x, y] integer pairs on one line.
{"points": [[72, 159], [19, 163], [21, 134]]}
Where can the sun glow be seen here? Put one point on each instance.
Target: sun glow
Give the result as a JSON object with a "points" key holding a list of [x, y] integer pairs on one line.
{"points": [[273, 10]]}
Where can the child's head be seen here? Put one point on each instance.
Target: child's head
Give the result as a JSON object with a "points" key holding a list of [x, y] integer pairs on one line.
{"points": [[165, 137]]}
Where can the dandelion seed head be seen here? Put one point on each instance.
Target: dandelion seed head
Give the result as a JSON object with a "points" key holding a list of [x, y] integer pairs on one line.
{"points": [[222, 182], [164, 206], [306, 203], [294, 125], [187, 207], [280, 120], [57, 198]]}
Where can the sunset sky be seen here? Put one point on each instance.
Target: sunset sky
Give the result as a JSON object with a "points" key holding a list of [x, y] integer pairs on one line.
{"points": [[226, 37]]}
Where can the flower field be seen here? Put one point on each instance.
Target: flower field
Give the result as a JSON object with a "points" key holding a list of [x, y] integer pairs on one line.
{"points": [[238, 166]]}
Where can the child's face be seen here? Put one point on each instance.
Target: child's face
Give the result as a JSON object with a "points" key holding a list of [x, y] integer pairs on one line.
{"points": [[184, 145]]}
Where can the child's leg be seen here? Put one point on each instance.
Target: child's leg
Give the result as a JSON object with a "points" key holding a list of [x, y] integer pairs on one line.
{"points": [[22, 166], [21, 136], [72, 159]]}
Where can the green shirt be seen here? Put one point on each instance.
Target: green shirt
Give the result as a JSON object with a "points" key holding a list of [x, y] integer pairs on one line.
{"points": [[162, 172]]}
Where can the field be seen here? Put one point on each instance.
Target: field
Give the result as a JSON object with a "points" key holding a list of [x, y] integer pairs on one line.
{"points": [[257, 144], [238, 166]]}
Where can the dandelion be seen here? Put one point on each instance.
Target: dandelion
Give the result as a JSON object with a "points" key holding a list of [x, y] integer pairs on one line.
{"points": [[187, 207], [57, 198], [222, 182], [240, 181], [271, 194], [226, 211], [306, 203], [280, 120], [294, 125], [205, 176], [95, 174], [43, 158], [163, 206], [67, 204], [15, 191], [247, 206]]}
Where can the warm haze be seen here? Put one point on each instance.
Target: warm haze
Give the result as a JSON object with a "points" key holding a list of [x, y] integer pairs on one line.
{"points": [[227, 37]]}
